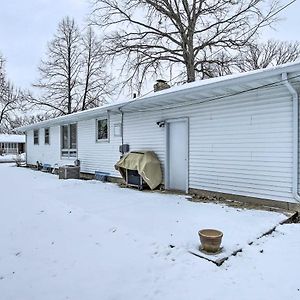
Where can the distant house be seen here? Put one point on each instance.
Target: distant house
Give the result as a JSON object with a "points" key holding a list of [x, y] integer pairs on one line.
{"points": [[12, 143], [235, 135]]}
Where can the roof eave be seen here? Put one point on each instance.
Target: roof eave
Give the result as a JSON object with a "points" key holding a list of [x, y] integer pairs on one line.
{"points": [[94, 113]]}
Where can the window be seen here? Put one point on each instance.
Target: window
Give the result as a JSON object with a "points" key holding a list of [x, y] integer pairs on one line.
{"points": [[36, 137], [102, 130], [73, 136], [117, 130], [69, 140], [47, 136]]}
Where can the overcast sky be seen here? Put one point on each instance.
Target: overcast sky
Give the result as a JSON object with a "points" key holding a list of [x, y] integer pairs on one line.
{"points": [[27, 25]]}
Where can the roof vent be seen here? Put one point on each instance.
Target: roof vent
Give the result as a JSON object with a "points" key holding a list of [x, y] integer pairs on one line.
{"points": [[160, 85]]}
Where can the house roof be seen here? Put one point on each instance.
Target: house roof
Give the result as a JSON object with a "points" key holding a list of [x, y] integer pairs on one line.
{"points": [[12, 138], [187, 93]]}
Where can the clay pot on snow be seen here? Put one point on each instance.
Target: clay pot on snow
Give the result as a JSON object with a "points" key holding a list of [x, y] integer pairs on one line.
{"points": [[210, 240]]}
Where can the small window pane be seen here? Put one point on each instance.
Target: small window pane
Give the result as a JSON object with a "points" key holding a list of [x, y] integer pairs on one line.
{"points": [[73, 153], [35, 137], [65, 137], [64, 153], [73, 136], [47, 137], [102, 129]]}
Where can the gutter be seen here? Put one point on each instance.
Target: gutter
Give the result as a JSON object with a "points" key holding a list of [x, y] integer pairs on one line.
{"points": [[295, 98]]}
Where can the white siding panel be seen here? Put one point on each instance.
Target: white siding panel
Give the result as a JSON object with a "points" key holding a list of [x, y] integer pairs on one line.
{"points": [[98, 156], [251, 158], [239, 145], [142, 133], [49, 154]]}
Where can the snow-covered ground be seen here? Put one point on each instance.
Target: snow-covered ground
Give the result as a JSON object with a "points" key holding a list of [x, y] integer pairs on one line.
{"points": [[88, 240], [12, 157]]}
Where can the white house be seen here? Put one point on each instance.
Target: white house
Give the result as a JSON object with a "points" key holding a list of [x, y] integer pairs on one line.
{"points": [[12, 143], [235, 135]]}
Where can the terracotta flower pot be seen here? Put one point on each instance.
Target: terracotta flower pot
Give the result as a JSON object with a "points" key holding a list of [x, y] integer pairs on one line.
{"points": [[210, 239]]}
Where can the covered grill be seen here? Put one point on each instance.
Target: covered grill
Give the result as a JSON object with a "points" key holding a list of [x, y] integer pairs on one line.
{"points": [[139, 168]]}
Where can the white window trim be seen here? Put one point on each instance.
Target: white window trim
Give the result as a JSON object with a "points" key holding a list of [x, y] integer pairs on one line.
{"points": [[38, 137], [48, 136], [108, 130], [68, 150]]}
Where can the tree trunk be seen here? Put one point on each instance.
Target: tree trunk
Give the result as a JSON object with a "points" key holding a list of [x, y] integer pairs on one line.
{"points": [[88, 73], [69, 78], [190, 59], [190, 71]]}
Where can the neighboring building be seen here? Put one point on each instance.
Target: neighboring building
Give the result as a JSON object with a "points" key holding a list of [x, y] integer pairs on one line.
{"points": [[12, 143], [235, 135]]}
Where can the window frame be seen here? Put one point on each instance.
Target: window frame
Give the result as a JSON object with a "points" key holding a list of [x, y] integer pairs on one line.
{"points": [[119, 132], [69, 151], [47, 143], [34, 137], [108, 130]]}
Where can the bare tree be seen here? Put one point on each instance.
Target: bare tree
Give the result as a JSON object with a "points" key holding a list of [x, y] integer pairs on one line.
{"points": [[183, 35], [23, 120], [2, 70], [8, 105], [73, 76], [271, 53], [60, 72], [96, 83], [9, 100]]}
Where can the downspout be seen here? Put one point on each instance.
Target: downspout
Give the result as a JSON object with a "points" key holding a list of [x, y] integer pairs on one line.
{"points": [[295, 98], [122, 129], [25, 148]]}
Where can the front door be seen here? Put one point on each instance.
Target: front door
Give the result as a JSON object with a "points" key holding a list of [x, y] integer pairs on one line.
{"points": [[177, 155]]}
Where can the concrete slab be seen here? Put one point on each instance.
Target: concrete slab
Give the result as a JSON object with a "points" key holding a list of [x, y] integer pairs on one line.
{"points": [[219, 258]]}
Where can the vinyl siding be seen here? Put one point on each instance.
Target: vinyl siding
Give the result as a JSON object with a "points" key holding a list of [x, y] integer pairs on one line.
{"points": [[49, 154], [93, 155], [239, 145], [98, 156]]}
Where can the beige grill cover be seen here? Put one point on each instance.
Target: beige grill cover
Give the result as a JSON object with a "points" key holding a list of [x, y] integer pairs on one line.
{"points": [[147, 165]]}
